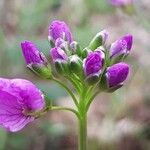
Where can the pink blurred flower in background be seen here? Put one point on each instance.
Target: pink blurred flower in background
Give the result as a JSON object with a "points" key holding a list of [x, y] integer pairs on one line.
{"points": [[121, 2]]}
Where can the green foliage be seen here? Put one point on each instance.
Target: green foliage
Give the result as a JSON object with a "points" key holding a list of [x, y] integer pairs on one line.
{"points": [[99, 6]]}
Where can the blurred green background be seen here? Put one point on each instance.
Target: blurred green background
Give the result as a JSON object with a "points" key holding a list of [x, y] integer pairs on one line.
{"points": [[120, 121]]}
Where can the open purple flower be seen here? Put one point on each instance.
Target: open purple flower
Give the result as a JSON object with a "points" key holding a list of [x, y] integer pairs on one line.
{"points": [[117, 74], [93, 63], [59, 29], [121, 46], [18, 97]]}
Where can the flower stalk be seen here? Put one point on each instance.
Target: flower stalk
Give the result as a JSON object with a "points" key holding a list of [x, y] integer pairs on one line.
{"points": [[83, 132]]}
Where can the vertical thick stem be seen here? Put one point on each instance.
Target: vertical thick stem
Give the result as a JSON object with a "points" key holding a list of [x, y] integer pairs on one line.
{"points": [[83, 132], [82, 120]]}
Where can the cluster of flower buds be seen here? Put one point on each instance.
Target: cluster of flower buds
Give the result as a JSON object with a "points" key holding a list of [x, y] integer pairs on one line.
{"points": [[95, 64]]}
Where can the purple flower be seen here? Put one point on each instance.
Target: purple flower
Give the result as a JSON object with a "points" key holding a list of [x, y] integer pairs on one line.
{"points": [[59, 29], [117, 74], [31, 53], [35, 60], [121, 46], [93, 63], [18, 97], [121, 2], [58, 54]]}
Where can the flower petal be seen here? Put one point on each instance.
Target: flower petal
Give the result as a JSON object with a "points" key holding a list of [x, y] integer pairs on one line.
{"points": [[31, 97], [11, 116]]}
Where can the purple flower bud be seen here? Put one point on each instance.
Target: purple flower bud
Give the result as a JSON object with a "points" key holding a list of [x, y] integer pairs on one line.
{"points": [[35, 60], [76, 49], [59, 29], [74, 46], [18, 98], [58, 54], [121, 46], [117, 74], [59, 42], [121, 2], [62, 44], [31, 53], [93, 63]]}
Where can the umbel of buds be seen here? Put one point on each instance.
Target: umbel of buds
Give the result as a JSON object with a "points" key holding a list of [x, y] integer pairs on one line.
{"points": [[90, 70]]}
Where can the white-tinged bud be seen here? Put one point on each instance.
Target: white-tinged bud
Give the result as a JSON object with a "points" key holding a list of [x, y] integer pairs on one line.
{"points": [[75, 64], [99, 39]]}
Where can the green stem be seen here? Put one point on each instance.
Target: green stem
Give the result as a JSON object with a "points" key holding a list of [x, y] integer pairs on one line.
{"points": [[75, 83], [82, 145], [68, 90], [42, 112], [67, 109], [90, 100], [83, 132]]}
